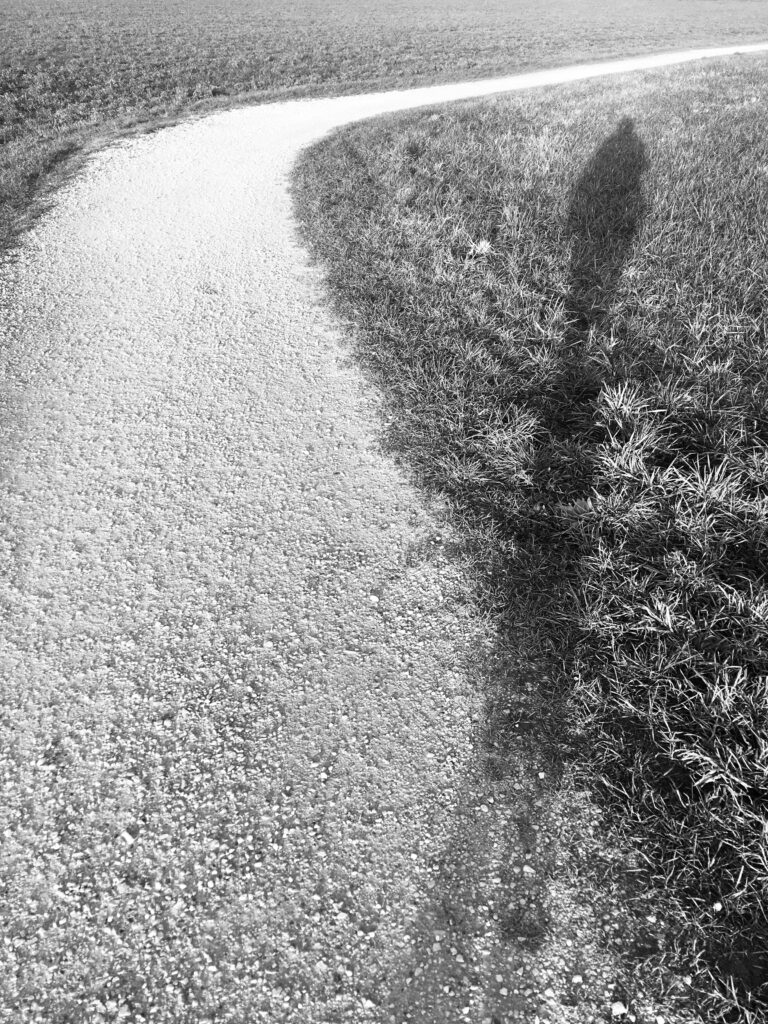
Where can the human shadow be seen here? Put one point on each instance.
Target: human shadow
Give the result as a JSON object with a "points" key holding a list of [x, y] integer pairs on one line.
{"points": [[606, 209], [523, 739]]}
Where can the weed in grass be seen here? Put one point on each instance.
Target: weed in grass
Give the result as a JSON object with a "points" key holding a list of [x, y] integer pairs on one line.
{"points": [[573, 351]]}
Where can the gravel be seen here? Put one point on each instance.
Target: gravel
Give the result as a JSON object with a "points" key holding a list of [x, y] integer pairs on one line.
{"points": [[239, 766]]}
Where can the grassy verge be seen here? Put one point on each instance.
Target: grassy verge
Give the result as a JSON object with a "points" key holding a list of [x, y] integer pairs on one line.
{"points": [[562, 297], [73, 75]]}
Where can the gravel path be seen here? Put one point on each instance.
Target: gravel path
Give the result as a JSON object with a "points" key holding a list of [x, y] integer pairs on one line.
{"points": [[237, 694]]}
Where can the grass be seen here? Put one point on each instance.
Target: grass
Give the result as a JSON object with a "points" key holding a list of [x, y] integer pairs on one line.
{"points": [[562, 295], [74, 74]]}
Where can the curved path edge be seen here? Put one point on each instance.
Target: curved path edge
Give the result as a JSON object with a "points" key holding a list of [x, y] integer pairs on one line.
{"points": [[238, 661], [449, 92]]}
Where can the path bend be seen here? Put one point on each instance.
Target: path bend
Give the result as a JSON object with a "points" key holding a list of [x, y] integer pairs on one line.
{"points": [[236, 673]]}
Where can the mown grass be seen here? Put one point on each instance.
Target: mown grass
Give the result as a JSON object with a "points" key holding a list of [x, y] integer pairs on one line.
{"points": [[562, 297], [76, 72]]}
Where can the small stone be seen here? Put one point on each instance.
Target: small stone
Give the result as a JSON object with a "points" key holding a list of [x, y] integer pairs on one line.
{"points": [[618, 1009], [549, 993], [528, 870], [577, 979]]}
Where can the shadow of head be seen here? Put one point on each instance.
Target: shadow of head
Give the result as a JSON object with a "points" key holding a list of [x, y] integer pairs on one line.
{"points": [[605, 212]]}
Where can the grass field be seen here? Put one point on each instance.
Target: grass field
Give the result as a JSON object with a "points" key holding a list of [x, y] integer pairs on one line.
{"points": [[74, 72], [562, 297]]}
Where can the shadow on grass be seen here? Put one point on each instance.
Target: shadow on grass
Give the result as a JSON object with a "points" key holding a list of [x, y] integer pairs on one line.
{"points": [[605, 213]]}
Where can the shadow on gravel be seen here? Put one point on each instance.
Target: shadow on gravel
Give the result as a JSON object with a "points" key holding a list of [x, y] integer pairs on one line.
{"points": [[526, 914]]}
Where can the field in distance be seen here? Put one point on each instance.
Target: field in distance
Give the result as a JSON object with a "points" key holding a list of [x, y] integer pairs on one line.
{"points": [[73, 71]]}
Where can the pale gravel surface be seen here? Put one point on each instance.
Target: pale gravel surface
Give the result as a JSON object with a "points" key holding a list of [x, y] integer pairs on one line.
{"points": [[237, 685]]}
